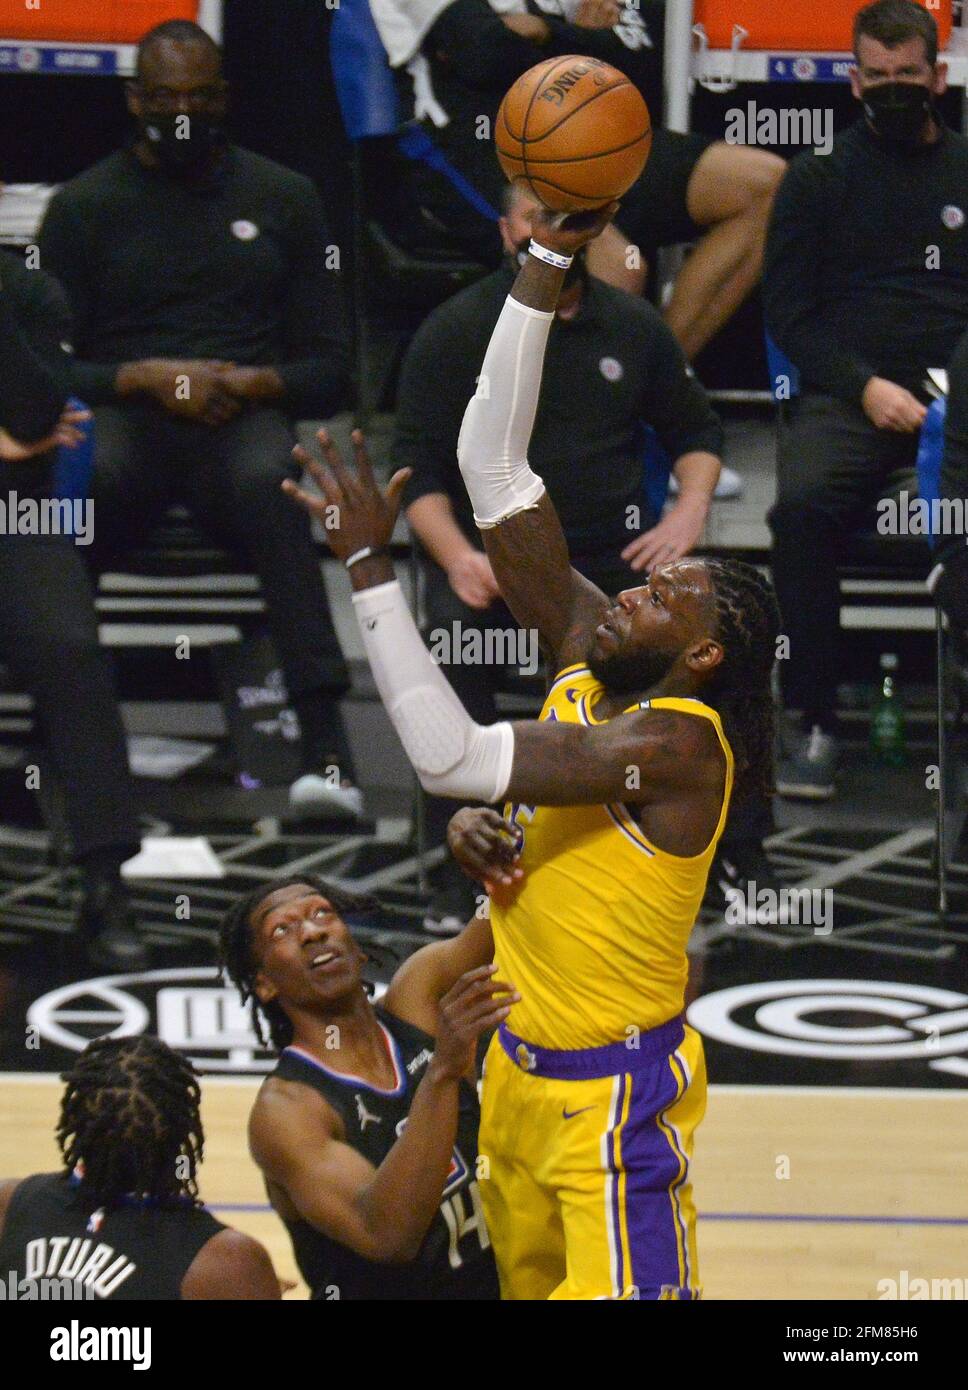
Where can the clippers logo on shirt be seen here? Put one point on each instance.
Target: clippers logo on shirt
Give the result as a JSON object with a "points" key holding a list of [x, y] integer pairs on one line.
{"points": [[952, 217], [456, 1173], [245, 230]]}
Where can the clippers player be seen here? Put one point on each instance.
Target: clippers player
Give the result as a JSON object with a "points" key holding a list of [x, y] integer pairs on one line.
{"points": [[366, 1132], [124, 1220], [594, 1086]]}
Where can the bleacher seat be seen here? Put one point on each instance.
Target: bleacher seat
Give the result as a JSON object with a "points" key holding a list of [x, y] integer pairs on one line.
{"points": [[394, 286]]}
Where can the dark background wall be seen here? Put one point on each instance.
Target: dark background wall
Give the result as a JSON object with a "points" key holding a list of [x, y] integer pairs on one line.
{"points": [[284, 106]]}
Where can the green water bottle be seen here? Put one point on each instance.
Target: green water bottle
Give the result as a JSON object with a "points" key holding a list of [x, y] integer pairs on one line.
{"points": [[888, 743]]}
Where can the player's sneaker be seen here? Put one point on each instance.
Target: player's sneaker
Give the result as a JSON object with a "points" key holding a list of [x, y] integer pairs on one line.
{"points": [[313, 795], [743, 886], [107, 925], [453, 904], [807, 774]]}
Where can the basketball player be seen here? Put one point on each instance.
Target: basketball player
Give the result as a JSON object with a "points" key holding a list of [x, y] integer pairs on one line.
{"points": [[594, 1085], [123, 1219], [366, 1132]]}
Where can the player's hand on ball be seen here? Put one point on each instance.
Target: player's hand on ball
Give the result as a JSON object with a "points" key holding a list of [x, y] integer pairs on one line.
{"points": [[568, 232], [891, 407], [353, 510], [474, 1005], [485, 845]]}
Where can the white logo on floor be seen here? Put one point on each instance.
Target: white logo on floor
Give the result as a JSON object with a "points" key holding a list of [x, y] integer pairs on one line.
{"points": [[926, 1024], [189, 1008]]}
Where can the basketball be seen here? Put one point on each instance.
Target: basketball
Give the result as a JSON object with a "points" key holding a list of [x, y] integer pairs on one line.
{"points": [[575, 131]]}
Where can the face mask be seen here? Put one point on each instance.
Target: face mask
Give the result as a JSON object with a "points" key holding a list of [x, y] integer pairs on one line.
{"points": [[576, 271], [180, 142], [897, 111]]}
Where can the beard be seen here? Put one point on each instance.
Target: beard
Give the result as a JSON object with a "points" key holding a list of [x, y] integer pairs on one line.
{"points": [[628, 673]]}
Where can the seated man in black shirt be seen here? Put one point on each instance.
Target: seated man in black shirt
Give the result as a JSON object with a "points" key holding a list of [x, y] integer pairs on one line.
{"points": [[612, 366], [48, 626], [694, 188], [207, 318], [866, 288], [123, 1219]]}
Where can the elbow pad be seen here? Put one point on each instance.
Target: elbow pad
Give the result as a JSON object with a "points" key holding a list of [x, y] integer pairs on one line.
{"points": [[451, 755]]}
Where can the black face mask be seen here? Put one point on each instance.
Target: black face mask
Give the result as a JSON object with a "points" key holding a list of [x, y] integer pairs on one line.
{"points": [[575, 272], [181, 143], [897, 111]]}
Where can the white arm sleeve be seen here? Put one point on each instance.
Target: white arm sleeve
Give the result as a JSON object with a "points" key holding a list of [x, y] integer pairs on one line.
{"points": [[450, 754], [492, 449]]}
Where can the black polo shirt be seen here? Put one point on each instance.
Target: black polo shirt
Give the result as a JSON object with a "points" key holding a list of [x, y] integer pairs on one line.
{"points": [[238, 266], [866, 269], [608, 370]]}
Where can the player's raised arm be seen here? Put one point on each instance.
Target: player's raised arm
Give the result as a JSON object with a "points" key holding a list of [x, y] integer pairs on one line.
{"points": [[521, 530], [451, 754]]}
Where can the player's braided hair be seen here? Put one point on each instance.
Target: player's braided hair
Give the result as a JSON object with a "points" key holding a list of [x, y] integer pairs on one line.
{"points": [[748, 624], [129, 1116], [236, 956]]}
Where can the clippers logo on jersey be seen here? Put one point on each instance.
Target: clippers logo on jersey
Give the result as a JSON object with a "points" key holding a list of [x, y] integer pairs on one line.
{"points": [[456, 1173], [952, 217]]}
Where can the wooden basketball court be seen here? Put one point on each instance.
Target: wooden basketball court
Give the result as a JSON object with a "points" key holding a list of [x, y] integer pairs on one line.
{"points": [[804, 1193]]}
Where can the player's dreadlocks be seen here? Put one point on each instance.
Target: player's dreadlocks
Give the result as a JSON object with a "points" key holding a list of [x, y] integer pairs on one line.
{"points": [[748, 621], [237, 960], [129, 1117]]}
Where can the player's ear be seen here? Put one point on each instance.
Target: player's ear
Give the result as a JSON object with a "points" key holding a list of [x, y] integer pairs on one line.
{"points": [[705, 656], [263, 988], [132, 97]]}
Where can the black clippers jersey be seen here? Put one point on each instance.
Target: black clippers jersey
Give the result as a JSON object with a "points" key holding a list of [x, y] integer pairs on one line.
{"points": [[455, 1260], [127, 1252]]}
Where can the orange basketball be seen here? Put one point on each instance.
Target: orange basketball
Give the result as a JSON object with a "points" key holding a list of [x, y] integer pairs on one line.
{"points": [[574, 130]]}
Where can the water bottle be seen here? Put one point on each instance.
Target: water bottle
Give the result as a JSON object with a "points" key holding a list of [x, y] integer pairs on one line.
{"points": [[887, 740]]}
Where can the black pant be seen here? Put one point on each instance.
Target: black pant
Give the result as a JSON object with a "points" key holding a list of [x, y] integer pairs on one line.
{"points": [[229, 476], [832, 465], [48, 636]]}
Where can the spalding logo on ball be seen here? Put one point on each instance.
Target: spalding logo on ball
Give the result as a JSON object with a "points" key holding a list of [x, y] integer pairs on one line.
{"points": [[575, 131]]}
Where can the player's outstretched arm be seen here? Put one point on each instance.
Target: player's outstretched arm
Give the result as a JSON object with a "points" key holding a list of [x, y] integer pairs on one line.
{"points": [[521, 530], [381, 1213]]}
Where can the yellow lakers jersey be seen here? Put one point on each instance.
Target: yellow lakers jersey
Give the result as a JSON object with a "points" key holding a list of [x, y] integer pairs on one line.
{"points": [[595, 936]]}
